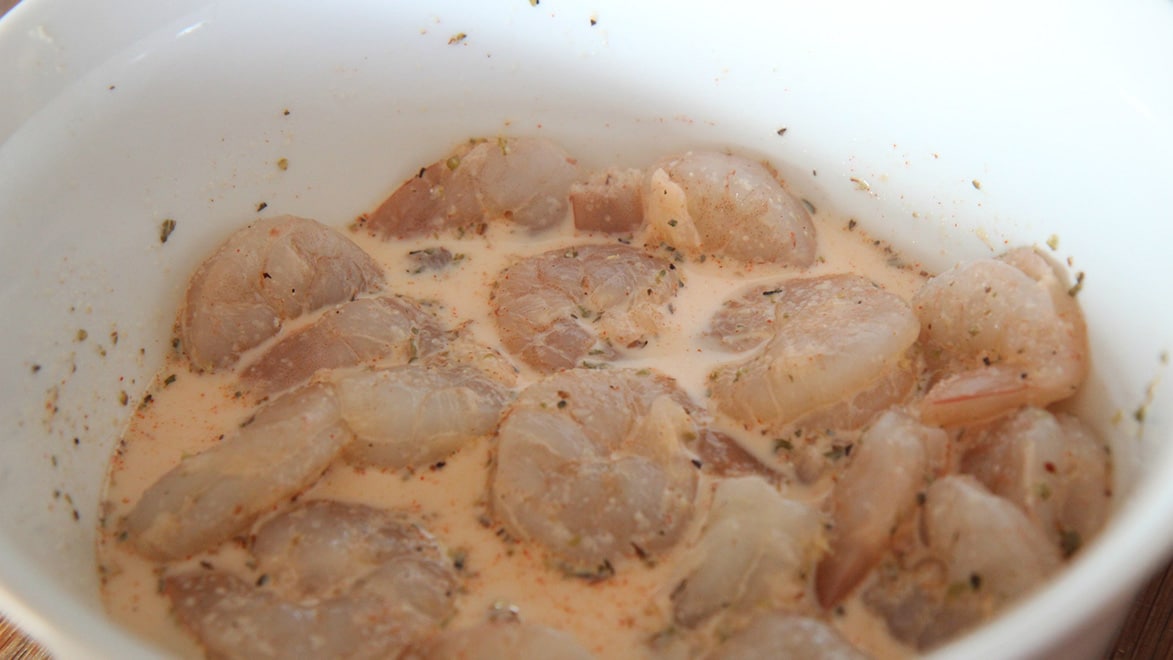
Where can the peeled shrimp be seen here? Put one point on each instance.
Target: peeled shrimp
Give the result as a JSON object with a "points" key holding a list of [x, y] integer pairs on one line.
{"points": [[525, 180], [505, 640], [273, 270], [745, 321], [714, 203], [555, 309], [722, 456], [889, 466], [463, 350], [758, 550], [415, 414], [391, 417], [387, 329], [341, 581], [837, 340], [786, 636], [609, 201], [214, 495], [981, 554], [1052, 466], [322, 548], [975, 531], [592, 465], [1000, 334]]}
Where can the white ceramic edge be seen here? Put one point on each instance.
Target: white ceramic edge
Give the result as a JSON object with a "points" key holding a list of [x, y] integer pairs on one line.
{"points": [[28, 596]]}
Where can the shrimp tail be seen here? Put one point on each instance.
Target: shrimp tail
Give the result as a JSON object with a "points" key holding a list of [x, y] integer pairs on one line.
{"points": [[975, 395]]}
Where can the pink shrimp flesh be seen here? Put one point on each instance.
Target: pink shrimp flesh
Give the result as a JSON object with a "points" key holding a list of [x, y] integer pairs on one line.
{"points": [[271, 271]]}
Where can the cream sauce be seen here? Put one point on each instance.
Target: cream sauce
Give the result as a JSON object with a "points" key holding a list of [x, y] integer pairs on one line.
{"points": [[613, 618]]}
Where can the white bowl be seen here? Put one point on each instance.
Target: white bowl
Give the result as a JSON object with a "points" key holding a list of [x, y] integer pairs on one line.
{"points": [[974, 126]]}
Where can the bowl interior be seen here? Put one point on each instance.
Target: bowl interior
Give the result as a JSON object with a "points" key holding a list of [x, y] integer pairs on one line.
{"points": [[126, 116]]}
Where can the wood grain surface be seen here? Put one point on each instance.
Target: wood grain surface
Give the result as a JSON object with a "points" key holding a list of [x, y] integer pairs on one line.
{"points": [[15, 646], [1147, 633]]}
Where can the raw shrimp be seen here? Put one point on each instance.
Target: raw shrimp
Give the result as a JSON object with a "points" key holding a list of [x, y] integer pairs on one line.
{"points": [[592, 465], [840, 346], [978, 533], [786, 636], [715, 203], [322, 548], [525, 180], [387, 329], [504, 640], [271, 271], [416, 414], [890, 465], [1052, 466], [609, 201], [1000, 334], [339, 581], [721, 456], [559, 307], [463, 350], [981, 554], [745, 321], [391, 417], [216, 494], [758, 550]]}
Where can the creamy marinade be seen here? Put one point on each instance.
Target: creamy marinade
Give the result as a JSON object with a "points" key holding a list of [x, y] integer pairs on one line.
{"points": [[506, 565]]}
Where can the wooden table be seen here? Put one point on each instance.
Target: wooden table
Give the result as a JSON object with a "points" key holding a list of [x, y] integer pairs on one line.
{"points": [[1148, 631]]}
